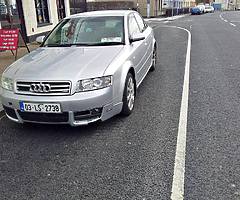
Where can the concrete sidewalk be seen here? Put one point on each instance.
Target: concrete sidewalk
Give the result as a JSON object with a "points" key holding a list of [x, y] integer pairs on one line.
{"points": [[166, 18], [7, 58]]}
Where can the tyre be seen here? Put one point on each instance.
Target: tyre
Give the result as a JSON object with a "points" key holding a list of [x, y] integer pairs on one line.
{"points": [[129, 95], [154, 59]]}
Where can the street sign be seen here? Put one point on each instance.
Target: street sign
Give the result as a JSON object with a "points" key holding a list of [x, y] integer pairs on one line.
{"points": [[9, 39]]}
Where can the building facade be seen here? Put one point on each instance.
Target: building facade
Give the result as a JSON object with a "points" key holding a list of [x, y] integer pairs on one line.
{"points": [[37, 17], [145, 7]]}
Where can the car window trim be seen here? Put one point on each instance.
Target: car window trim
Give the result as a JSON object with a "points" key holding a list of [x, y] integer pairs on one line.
{"points": [[50, 32], [144, 27], [67, 19], [129, 26]]}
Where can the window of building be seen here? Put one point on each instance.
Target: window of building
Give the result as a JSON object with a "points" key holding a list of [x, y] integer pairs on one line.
{"points": [[61, 9], [42, 11]]}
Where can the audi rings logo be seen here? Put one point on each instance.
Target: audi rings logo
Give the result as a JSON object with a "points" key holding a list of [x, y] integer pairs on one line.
{"points": [[40, 88]]}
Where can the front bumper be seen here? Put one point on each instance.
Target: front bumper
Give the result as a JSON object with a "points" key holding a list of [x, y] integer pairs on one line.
{"points": [[78, 109]]}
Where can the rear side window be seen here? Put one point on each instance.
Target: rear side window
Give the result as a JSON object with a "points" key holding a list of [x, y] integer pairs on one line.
{"points": [[140, 22]]}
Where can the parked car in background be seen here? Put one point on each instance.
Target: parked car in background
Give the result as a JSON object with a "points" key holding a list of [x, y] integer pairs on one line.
{"points": [[202, 8], [209, 9], [195, 11], [87, 69]]}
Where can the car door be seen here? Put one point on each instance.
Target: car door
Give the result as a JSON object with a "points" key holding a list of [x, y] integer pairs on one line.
{"points": [[148, 34], [138, 54]]}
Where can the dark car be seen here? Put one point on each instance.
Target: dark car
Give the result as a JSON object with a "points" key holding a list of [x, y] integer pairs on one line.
{"points": [[196, 11]]}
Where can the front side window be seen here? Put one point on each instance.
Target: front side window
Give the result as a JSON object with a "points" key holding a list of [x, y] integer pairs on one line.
{"points": [[87, 31], [133, 26], [42, 11], [140, 22]]}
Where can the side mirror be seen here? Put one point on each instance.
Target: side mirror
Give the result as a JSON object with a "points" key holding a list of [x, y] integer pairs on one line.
{"points": [[137, 37], [40, 39]]}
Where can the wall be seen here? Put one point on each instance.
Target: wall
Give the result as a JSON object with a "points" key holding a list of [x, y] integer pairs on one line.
{"points": [[32, 28], [155, 7], [109, 5]]}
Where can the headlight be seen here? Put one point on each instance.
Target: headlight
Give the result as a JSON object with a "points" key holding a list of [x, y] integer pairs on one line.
{"points": [[7, 83], [93, 83]]}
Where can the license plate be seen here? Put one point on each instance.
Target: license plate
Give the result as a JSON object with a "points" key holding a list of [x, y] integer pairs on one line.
{"points": [[40, 107]]}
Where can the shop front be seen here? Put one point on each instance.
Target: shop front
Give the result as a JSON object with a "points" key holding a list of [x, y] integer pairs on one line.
{"points": [[11, 16]]}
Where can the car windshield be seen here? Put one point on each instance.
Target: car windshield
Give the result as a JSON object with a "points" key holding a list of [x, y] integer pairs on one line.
{"points": [[89, 31]]}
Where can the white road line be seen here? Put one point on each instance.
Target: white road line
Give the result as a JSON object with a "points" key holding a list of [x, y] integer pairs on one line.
{"points": [[221, 17], [165, 22], [179, 167], [2, 117], [226, 20], [232, 24], [177, 192]]}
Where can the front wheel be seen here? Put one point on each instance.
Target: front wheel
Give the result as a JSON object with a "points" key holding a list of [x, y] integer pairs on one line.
{"points": [[128, 95], [154, 59]]}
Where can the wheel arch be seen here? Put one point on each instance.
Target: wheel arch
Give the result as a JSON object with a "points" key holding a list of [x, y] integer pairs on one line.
{"points": [[127, 67]]}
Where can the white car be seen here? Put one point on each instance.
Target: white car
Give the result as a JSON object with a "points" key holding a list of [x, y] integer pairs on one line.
{"points": [[209, 9], [202, 8], [87, 69]]}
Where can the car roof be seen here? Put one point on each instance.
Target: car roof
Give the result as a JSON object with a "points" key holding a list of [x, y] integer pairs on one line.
{"points": [[102, 13]]}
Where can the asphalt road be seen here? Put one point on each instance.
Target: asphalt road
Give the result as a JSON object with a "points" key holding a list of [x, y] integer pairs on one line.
{"points": [[133, 158]]}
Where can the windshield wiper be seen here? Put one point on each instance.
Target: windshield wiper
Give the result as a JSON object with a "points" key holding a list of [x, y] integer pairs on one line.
{"points": [[57, 45], [84, 44], [99, 44]]}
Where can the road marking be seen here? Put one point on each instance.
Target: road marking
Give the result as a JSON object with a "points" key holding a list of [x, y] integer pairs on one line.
{"points": [[227, 20], [179, 167], [2, 117], [221, 17], [232, 24], [165, 22], [177, 192]]}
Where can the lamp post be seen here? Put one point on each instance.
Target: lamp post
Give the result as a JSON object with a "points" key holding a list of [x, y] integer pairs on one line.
{"points": [[148, 8]]}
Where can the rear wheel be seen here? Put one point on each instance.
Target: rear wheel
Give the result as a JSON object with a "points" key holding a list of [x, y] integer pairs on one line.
{"points": [[128, 95], [154, 59]]}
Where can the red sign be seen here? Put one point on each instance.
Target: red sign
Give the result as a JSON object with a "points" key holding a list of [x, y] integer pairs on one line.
{"points": [[9, 39]]}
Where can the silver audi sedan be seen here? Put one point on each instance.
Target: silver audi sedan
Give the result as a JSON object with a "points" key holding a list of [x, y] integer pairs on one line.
{"points": [[87, 69]]}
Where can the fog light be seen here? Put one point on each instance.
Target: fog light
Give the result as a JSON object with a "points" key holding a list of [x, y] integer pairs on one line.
{"points": [[96, 111]]}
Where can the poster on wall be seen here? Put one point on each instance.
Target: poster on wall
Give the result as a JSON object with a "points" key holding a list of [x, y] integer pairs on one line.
{"points": [[9, 39]]}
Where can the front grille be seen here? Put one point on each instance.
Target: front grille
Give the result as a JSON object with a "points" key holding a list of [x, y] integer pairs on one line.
{"points": [[44, 117], [43, 87], [10, 112]]}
